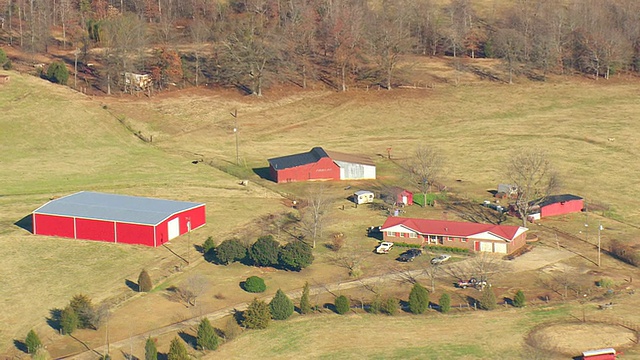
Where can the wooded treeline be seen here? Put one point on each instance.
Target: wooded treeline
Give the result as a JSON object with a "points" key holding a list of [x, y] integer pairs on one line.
{"points": [[252, 43]]}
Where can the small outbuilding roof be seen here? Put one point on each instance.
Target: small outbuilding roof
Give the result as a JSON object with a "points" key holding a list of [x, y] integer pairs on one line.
{"points": [[363, 192], [289, 161], [112, 207], [553, 199]]}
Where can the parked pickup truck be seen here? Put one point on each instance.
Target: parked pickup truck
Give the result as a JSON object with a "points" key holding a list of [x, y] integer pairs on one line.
{"points": [[473, 282], [384, 247]]}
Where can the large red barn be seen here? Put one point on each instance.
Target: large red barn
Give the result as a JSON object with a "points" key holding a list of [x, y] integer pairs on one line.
{"points": [[313, 165], [117, 218]]}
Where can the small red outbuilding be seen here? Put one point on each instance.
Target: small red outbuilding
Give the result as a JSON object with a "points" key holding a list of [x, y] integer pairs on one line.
{"points": [[559, 205], [117, 218]]}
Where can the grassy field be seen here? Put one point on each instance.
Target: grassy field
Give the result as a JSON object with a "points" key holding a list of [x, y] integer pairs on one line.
{"points": [[363, 336], [54, 141]]}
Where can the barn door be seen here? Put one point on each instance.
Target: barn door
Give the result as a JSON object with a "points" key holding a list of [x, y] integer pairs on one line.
{"points": [[174, 228]]}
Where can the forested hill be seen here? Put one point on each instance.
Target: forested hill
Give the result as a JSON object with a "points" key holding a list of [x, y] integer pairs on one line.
{"points": [[255, 44]]}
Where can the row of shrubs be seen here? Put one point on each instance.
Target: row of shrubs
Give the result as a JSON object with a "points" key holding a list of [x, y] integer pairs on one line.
{"points": [[438, 248], [266, 251], [451, 249]]}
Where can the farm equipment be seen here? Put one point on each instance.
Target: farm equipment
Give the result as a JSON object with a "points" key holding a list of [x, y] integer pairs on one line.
{"points": [[473, 282]]}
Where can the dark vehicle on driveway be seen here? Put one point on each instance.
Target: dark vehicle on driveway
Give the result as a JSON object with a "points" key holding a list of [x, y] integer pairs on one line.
{"points": [[410, 255]]}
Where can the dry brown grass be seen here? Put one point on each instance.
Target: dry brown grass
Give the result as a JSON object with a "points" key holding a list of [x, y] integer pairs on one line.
{"points": [[78, 145]]}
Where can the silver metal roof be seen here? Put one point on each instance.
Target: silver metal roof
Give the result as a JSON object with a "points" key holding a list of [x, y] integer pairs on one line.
{"points": [[112, 207]]}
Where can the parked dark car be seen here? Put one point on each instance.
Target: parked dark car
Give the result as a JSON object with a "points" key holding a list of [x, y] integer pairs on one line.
{"points": [[410, 255]]}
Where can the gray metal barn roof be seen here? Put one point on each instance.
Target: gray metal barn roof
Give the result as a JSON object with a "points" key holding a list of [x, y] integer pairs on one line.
{"points": [[290, 161], [112, 207]]}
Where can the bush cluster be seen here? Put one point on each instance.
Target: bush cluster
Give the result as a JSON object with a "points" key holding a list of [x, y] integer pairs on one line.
{"points": [[266, 251], [406, 245], [255, 284]]}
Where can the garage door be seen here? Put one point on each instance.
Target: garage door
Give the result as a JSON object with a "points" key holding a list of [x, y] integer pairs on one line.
{"points": [[174, 228], [486, 246], [500, 248]]}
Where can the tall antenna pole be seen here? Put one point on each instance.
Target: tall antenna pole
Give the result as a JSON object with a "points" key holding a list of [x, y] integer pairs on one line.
{"points": [[235, 131]]}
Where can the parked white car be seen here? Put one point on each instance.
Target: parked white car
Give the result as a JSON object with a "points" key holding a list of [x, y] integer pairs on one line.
{"points": [[440, 259], [384, 247]]}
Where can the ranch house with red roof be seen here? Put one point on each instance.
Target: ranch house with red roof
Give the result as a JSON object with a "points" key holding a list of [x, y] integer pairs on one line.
{"points": [[501, 239]]}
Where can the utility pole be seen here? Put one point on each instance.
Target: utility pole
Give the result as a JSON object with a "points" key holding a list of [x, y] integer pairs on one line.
{"points": [[75, 72], [235, 131], [599, 229]]}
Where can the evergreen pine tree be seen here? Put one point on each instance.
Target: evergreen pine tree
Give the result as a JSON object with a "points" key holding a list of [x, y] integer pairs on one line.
{"points": [[33, 342], [144, 281], [305, 303], [177, 350], [281, 306], [519, 300], [488, 300], [82, 306], [445, 303], [418, 299], [68, 320], [150, 349], [257, 315], [390, 306], [207, 338], [342, 304]]}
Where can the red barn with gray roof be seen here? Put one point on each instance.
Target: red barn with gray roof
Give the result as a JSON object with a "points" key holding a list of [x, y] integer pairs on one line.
{"points": [[319, 164], [117, 218], [503, 239]]}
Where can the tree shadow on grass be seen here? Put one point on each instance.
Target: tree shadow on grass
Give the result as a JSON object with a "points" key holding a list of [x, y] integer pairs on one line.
{"points": [[25, 223], [131, 285], [163, 356], [189, 339], [330, 306], [54, 319], [128, 356], [20, 345]]}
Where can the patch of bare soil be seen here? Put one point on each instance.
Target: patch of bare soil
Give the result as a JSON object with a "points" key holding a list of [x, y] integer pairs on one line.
{"points": [[573, 339]]}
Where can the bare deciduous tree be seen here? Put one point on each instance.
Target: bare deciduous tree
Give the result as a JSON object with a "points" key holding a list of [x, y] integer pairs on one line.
{"points": [[189, 290], [531, 172], [313, 216], [482, 266], [425, 168], [351, 258]]}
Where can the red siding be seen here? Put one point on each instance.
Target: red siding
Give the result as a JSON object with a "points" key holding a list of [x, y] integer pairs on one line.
{"points": [[53, 225], [565, 207], [324, 169], [95, 230], [135, 234], [197, 217]]}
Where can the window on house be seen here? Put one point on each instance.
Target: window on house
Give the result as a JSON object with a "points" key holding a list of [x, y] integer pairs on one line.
{"points": [[463, 239], [413, 235], [449, 238], [390, 233]]}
